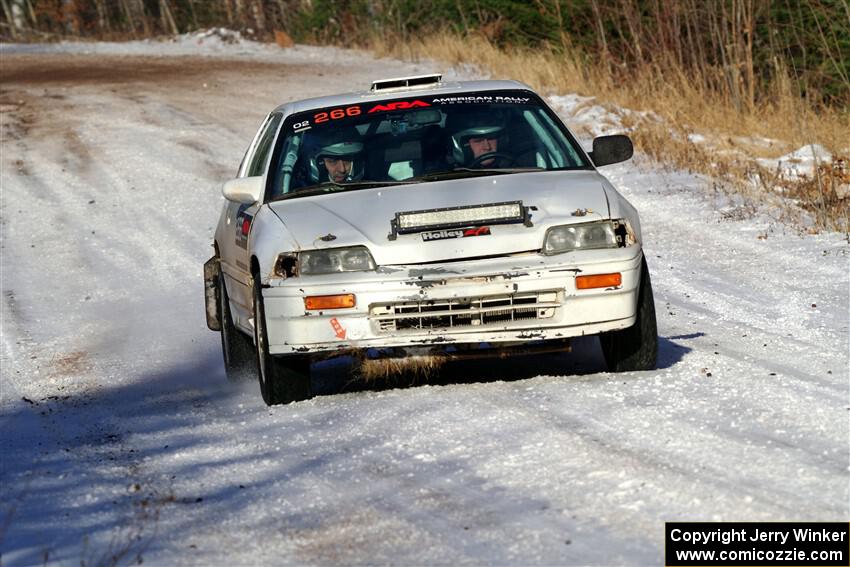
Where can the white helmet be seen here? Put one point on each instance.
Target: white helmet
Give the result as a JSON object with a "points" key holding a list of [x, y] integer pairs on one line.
{"points": [[344, 143], [475, 124]]}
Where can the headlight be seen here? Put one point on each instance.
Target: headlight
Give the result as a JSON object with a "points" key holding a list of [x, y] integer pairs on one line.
{"points": [[589, 236], [333, 260]]}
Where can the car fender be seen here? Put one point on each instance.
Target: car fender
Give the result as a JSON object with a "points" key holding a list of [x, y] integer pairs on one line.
{"points": [[620, 208], [220, 228], [269, 238]]}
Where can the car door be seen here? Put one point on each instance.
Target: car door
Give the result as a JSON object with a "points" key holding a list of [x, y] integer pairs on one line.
{"points": [[233, 244]]}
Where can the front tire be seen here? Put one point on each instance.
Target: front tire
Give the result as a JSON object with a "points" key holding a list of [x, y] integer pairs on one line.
{"points": [[635, 348], [283, 379], [236, 346]]}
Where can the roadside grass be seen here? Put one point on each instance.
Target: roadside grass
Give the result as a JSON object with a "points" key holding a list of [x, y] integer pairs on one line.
{"points": [[672, 112]]}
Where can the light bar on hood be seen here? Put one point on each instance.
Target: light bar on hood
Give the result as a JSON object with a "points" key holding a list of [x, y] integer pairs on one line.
{"points": [[453, 217]]}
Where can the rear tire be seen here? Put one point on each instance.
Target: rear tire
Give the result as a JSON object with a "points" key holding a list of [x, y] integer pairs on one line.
{"points": [[283, 379], [236, 346], [635, 348]]}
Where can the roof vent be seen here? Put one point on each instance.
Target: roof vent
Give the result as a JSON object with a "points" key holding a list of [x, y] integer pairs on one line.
{"points": [[402, 83]]}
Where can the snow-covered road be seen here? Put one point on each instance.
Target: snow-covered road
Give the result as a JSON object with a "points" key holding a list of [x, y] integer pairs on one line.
{"points": [[119, 435]]}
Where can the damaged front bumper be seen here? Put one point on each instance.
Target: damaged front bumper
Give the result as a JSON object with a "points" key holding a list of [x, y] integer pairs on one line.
{"points": [[521, 298]]}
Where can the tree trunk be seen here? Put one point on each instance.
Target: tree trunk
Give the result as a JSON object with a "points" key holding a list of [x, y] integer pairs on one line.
{"points": [[676, 32], [128, 15], [70, 17], [632, 16], [142, 14], [31, 13], [259, 14], [603, 44], [194, 15], [240, 13], [7, 11], [283, 17], [103, 24], [168, 23], [749, 29], [229, 10]]}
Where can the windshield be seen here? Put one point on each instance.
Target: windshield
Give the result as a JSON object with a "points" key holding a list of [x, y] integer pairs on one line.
{"points": [[417, 140]]}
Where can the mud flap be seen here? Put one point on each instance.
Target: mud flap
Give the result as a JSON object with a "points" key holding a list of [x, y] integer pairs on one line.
{"points": [[212, 270]]}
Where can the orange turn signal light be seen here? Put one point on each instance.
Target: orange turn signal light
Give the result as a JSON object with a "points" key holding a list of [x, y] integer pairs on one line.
{"points": [[315, 302], [599, 280]]}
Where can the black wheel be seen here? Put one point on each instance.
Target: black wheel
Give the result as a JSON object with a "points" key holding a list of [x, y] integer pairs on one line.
{"points": [[236, 346], [283, 379], [635, 348]]}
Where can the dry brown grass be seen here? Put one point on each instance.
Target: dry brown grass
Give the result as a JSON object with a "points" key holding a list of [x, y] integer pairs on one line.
{"points": [[419, 367], [735, 137]]}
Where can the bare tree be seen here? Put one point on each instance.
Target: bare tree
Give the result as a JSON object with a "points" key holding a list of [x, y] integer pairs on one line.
{"points": [[168, 23], [70, 17], [240, 12], [603, 43], [103, 23], [10, 17], [143, 16], [259, 14]]}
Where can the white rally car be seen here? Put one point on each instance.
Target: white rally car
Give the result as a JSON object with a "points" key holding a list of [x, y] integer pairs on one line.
{"points": [[424, 218]]}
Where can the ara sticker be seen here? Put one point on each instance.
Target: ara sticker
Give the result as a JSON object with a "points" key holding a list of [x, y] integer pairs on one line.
{"points": [[398, 105], [338, 330], [455, 233]]}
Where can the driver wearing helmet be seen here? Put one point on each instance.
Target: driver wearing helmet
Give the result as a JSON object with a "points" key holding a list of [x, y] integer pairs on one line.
{"points": [[477, 137], [340, 154]]}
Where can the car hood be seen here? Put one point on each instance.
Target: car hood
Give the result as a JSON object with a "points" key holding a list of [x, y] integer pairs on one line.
{"points": [[363, 217]]}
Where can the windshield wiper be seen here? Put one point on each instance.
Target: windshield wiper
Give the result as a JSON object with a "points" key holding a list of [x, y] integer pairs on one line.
{"points": [[331, 187], [460, 172]]}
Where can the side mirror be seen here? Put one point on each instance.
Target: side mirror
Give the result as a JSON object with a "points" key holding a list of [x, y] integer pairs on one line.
{"points": [[611, 149], [247, 190]]}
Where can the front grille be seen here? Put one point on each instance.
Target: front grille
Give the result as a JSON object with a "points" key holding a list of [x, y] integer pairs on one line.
{"points": [[464, 312]]}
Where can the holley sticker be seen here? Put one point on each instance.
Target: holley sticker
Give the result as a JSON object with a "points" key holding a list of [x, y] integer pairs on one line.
{"points": [[455, 233]]}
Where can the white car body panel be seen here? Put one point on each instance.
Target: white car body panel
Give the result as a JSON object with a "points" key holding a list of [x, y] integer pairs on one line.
{"points": [[580, 312], [363, 217]]}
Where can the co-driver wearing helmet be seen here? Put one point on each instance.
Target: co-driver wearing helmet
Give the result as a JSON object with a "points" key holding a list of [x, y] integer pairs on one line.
{"points": [[339, 169], [341, 156]]}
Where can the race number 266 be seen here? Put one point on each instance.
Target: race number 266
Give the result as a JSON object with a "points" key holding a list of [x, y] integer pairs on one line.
{"points": [[336, 114]]}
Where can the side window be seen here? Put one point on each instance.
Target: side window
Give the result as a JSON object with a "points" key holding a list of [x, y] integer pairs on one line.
{"points": [[241, 171], [553, 157], [243, 165], [264, 146]]}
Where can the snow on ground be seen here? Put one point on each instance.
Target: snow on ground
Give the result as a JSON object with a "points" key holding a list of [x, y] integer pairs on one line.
{"points": [[583, 113], [121, 437], [801, 162]]}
